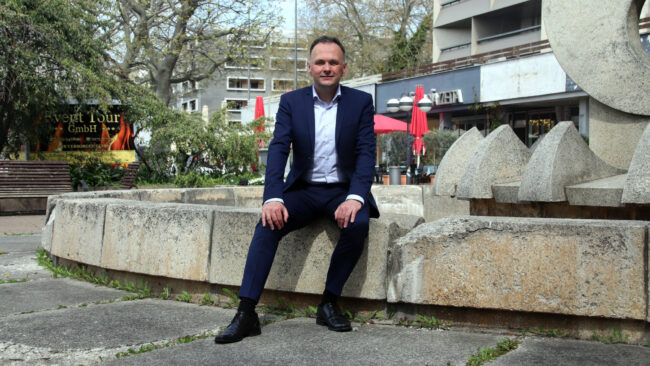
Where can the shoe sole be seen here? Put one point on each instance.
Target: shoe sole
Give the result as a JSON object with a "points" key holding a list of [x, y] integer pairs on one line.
{"points": [[254, 333], [324, 323]]}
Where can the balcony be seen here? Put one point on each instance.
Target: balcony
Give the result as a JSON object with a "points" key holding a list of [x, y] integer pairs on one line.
{"points": [[452, 11], [509, 39]]}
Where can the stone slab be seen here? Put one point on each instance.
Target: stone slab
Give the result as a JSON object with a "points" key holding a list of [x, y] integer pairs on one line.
{"points": [[437, 207], [162, 195], [21, 265], [20, 243], [160, 239], [637, 184], [506, 192], [399, 199], [111, 325], [21, 225], [302, 342], [50, 293], [303, 256], [500, 158], [249, 196], [554, 351], [575, 267], [220, 196], [78, 229], [604, 192]]}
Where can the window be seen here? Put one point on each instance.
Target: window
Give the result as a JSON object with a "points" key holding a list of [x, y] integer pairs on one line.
{"points": [[256, 63], [283, 85], [190, 105], [235, 105], [287, 64], [240, 83]]}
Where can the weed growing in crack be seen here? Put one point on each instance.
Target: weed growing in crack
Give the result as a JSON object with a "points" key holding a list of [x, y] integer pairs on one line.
{"points": [[491, 353], [424, 322], [541, 331], [185, 297], [233, 302], [165, 294], [616, 336], [207, 299], [80, 272], [14, 280]]}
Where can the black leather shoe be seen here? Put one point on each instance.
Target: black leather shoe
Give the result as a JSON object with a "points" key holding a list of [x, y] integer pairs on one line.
{"points": [[329, 314], [243, 325]]}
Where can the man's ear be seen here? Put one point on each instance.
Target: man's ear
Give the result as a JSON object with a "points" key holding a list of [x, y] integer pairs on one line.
{"points": [[345, 68]]}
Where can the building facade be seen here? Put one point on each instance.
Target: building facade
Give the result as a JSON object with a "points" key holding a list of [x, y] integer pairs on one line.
{"points": [[268, 70]]}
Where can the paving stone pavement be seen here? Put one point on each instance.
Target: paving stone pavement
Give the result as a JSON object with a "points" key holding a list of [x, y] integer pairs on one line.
{"points": [[58, 321]]}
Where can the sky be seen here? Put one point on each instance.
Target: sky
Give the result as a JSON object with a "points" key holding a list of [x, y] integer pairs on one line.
{"points": [[287, 7]]}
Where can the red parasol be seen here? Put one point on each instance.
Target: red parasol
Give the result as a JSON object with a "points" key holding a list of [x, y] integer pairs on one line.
{"points": [[259, 112], [418, 123], [385, 124]]}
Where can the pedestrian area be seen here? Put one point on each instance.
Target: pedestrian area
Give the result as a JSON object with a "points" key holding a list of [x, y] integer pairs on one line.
{"points": [[46, 320]]}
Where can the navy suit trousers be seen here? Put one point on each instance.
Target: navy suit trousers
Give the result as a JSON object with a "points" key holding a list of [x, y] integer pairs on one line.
{"points": [[305, 203]]}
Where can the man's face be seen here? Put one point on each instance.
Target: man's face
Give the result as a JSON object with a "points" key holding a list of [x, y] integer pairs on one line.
{"points": [[326, 66]]}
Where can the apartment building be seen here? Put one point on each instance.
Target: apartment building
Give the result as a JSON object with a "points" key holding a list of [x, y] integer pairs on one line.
{"points": [[495, 58], [267, 70]]}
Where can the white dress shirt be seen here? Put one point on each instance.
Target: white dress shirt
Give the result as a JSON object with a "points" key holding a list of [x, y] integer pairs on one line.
{"points": [[325, 168]]}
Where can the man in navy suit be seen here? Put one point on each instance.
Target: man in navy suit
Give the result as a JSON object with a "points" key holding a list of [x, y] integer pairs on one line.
{"points": [[331, 129]]}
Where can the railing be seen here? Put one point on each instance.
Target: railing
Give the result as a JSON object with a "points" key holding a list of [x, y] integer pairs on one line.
{"points": [[479, 59], [464, 62], [511, 33]]}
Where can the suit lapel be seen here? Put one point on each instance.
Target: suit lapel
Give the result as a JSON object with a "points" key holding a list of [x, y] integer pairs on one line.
{"points": [[311, 123]]}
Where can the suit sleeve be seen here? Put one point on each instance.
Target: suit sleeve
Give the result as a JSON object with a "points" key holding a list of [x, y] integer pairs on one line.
{"points": [[365, 151], [278, 151]]}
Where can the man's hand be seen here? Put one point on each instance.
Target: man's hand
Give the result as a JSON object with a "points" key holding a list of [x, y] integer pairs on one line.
{"points": [[346, 212], [275, 214]]}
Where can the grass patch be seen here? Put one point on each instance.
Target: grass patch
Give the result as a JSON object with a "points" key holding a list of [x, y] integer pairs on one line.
{"points": [[80, 272], [207, 299], [541, 331], [185, 297], [14, 280], [233, 299], [491, 353], [615, 336], [152, 347], [422, 321]]}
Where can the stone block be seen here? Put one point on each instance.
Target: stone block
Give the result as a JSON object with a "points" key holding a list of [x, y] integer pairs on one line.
{"points": [[604, 192], [637, 184], [162, 195], [78, 229], [506, 192], [500, 158], [621, 78], [46, 234], [220, 196], [577, 267], [453, 163], [614, 135], [160, 239], [437, 207], [399, 199], [303, 256], [249, 196], [561, 159]]}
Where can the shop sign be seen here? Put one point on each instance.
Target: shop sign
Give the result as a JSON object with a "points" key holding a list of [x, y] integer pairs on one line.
{"points": [[447, 97]]}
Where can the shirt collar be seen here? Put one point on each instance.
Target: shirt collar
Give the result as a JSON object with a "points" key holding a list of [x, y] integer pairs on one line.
{"points": [[336, 98]]}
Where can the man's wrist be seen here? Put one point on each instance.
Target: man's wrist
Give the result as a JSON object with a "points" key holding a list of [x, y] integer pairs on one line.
{"points": [[273, 200], [356, 198]]}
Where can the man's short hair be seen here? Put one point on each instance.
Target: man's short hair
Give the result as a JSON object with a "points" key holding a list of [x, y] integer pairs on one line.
{"points": [[327, 39]]}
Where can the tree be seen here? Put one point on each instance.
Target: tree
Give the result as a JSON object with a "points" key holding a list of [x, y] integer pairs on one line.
{"points": [[370, 29], [166, 42], [47, 56], [405, 52], [52, 52]]}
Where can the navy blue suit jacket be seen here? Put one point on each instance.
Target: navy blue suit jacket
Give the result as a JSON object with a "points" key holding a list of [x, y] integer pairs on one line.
{"points": [[355, 142]]}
